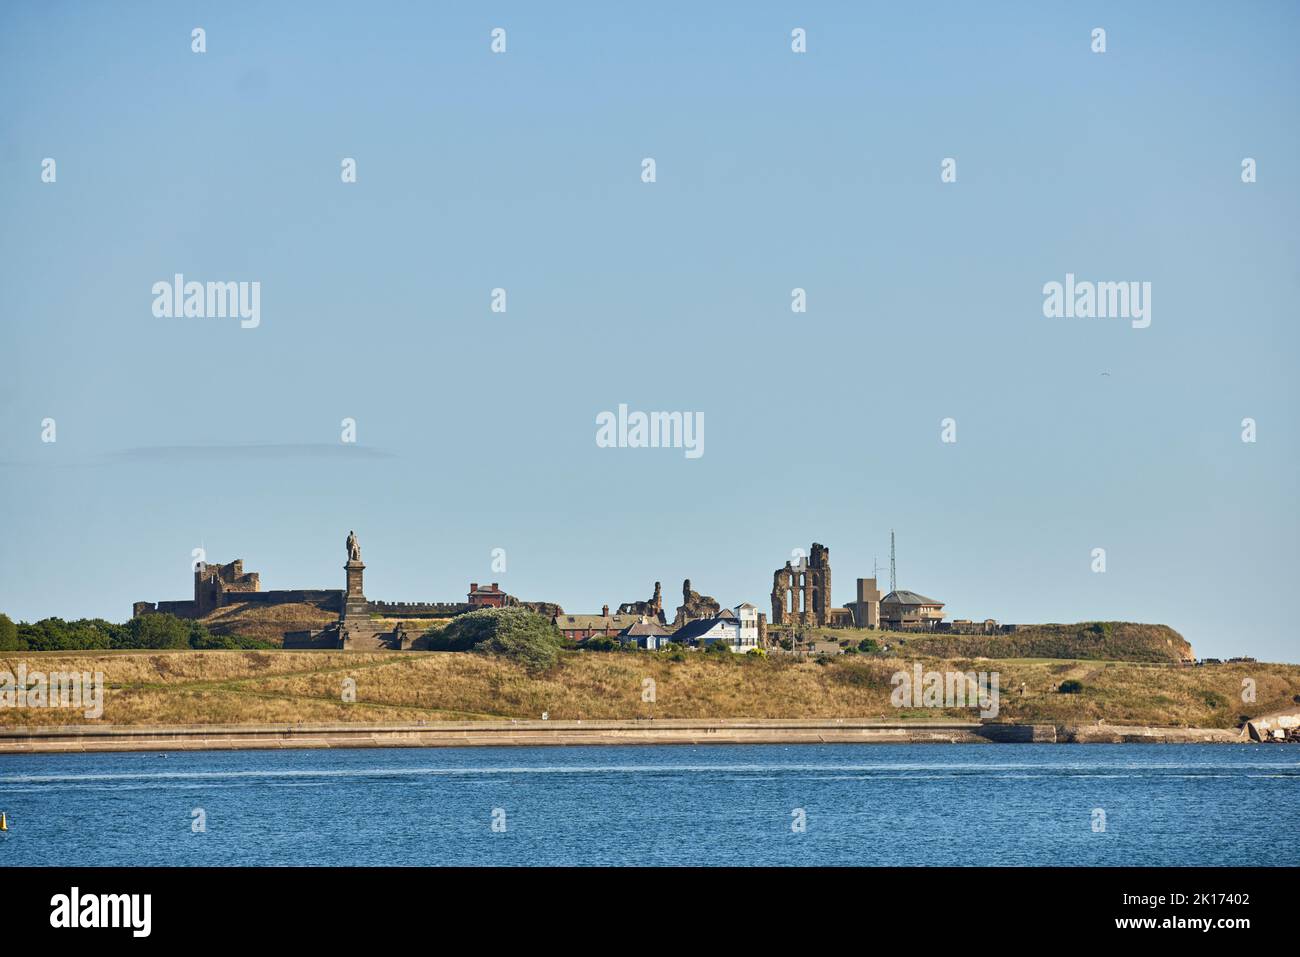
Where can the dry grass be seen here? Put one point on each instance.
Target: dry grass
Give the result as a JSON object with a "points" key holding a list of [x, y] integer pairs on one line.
{"points": [[1100, 640], [248, 687], [267, 622]]}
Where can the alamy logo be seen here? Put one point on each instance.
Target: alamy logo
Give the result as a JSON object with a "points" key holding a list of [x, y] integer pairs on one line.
{"points": [[651, 430], [946, 689], [213, 300], [103, 910], [1098, 300], [57, 689]]}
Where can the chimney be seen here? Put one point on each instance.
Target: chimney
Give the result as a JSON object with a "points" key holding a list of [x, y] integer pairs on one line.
{"points": [[473, 586], [604, 611], [495, 587]]}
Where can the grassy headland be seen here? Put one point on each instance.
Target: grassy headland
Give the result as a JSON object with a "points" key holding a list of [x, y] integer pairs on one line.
{"points": [[249, 687]]}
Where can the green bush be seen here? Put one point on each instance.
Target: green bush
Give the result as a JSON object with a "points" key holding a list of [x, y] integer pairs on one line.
{"points": [[203, 640], [1071, 687], [514, 633], [868, 646], [1213, 699], [8, 634], [600, 643]]}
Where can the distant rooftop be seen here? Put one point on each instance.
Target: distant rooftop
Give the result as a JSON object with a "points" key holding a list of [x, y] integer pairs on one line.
{"points": [[905, 597]]}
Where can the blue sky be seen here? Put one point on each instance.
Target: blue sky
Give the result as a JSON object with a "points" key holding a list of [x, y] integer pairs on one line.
{"points": [[774, 171]]}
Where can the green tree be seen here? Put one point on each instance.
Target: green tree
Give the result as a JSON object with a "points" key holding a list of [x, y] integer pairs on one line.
{"points": [[158, 630], [55, 634], [8, 634]]}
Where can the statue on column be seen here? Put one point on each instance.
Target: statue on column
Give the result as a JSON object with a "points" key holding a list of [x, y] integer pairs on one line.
{"points": [[354, 549]]}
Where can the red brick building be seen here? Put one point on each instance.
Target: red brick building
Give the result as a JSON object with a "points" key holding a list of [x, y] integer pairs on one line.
{"points": [[486, 596]]}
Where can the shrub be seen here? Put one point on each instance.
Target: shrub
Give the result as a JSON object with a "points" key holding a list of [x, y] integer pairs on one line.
{"points": [[203, 640], [868, 645], [600, 643], [1213, 699], [8, 634], [514, 633], [1071, 687]]}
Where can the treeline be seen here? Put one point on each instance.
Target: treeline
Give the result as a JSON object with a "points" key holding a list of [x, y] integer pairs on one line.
{"points": [[159, 631]]}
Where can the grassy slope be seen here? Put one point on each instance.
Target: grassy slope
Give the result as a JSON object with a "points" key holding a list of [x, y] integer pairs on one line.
{"points": [[1110, 641], [270, 623], [267, 623], [1102, 641], [224, 687]]}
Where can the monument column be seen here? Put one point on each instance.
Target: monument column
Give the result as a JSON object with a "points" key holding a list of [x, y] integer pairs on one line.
{"points": [[354, 597]]}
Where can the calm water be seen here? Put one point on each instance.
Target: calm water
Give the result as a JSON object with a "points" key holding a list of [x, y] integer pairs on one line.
{"points": [[928, 804]]}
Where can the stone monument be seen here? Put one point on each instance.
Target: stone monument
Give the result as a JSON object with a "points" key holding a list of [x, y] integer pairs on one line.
{"points": [[354, 598]]}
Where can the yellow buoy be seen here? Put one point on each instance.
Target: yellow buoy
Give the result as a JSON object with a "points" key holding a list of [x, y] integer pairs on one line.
{"points": [[4, 822]]}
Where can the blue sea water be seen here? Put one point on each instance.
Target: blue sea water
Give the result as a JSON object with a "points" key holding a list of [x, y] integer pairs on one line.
{"points": [[861, 805]]}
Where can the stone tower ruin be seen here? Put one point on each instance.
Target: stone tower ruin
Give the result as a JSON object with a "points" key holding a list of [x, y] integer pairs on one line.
{"points": [[801, 594]]}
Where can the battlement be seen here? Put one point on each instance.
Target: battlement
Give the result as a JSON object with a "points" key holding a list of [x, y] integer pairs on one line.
{"points": [[417, 609]]}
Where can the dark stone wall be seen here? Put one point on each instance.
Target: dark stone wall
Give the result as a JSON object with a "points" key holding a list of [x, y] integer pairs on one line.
{"points": [[326, 599], [181, 609]]}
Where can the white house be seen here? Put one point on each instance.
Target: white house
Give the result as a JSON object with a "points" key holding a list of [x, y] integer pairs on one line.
{"points": [[646, 634], [739, 629], [747, 614]]}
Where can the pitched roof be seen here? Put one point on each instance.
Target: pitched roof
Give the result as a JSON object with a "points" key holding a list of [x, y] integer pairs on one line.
{"points": [[694, 629], [603, 622], [904, 597], [644, 628]]}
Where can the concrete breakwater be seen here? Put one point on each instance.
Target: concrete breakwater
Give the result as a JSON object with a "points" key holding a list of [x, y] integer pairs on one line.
{"points": [[95, 738]]}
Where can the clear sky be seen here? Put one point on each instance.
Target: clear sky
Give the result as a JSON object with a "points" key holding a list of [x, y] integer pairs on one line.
{"points": [[775, 170]]}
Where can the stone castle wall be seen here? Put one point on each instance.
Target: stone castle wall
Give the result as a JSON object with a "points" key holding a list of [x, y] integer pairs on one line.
{"points": [[325, 599], [417, 609]]}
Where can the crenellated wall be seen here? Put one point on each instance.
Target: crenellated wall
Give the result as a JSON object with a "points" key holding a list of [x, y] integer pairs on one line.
{"points": [[418, 609]]}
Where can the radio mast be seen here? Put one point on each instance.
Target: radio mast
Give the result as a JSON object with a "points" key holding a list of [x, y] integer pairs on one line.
{"points": [[893, 573]]}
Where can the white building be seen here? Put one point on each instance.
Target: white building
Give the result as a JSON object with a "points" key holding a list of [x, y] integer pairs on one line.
{"points": [[747, 615], [739, 629]]}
